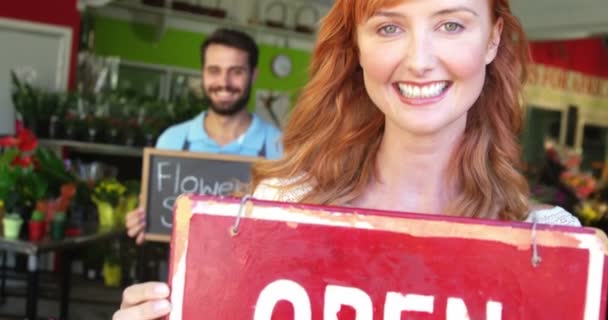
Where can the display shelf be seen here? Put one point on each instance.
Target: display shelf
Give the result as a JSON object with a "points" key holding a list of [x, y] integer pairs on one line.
{"points": [[168, 13], [96, 148]]}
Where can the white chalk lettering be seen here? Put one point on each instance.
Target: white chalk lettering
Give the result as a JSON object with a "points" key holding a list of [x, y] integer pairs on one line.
{"points": [[189, 184], [336, 296], [226, 188], [162, 176], [168, 203], [396, 303], [195, 184], [177, 171], [283, 290], [166, 218], [208, 189]]}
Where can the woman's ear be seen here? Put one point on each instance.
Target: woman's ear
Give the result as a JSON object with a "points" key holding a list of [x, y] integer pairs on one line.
{"points": [[494, 42]]}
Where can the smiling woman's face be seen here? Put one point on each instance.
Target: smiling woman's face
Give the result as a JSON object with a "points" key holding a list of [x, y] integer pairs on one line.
{"points": [[424, 61]]}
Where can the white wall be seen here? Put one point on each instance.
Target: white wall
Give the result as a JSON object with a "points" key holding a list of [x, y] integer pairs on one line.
{"points": [[44, 48], [562, 19]]}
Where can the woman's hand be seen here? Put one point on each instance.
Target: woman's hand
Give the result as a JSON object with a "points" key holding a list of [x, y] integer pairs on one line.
{"points": [[144, 301]]}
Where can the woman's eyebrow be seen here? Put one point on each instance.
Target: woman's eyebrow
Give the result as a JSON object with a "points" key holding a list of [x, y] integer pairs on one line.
{"points": [[384, 13], [387, 13], [454, 10]]}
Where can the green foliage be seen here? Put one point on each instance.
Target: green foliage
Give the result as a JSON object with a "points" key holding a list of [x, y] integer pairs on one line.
{"points": [[52, 169], [110, 191], [8, 176], [59, 216], [187, 107], [19, 186], [37, 215], [133, 187], [25, 97]]}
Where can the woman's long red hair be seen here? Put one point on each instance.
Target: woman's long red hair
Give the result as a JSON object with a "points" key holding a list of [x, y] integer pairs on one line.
{"points": [[334, 132]]}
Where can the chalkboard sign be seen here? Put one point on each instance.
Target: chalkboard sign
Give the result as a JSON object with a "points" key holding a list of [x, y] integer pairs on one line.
{"points": [[167, 174]]}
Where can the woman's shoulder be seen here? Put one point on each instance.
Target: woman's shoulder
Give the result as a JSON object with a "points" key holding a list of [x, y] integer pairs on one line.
{"points": [[554, 215], [294, 190], [282, 189]]}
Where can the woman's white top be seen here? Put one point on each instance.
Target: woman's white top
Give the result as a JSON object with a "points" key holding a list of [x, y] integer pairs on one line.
{"points": [[270, 190]]}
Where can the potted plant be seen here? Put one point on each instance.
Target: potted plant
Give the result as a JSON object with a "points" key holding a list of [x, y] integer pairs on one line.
{"points": [[151, 129], [37, 226], [95, 128], [59, 114], [58, 226], [112, 273], [26, 98], [61, 183], [118, 111], [21, 184], [12, 225], [106, 196], [48, 104], [129, 200], [186, 107]]}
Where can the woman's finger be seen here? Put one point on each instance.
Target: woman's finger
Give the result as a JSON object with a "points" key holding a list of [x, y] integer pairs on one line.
{"points": [[146, 311], [142, 292]]}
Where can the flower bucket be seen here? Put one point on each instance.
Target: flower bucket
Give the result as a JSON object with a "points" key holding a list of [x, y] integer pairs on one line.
{"points": [[12, 227], [37, 230], [126, 204], [57, 229], [112, 274], [107, 216]]}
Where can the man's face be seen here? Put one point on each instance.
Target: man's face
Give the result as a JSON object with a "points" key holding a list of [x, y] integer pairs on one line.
{"points": [[227, 78]]}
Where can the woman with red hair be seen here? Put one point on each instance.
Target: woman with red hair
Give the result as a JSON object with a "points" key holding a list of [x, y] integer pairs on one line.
{"points": [[412, 105]]}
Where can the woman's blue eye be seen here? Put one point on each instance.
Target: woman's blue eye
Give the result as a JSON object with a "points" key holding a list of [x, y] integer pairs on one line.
{"points": [[452, 27], [389, 29]]}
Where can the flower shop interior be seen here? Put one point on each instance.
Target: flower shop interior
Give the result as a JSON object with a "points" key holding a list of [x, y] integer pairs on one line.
{"points": [[86, 85]]}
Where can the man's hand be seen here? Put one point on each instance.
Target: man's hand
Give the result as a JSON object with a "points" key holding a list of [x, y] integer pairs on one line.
{"points": [[136, 224]]}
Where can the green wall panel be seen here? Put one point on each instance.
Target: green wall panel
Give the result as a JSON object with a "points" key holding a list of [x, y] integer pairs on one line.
{"points": [[137, 42]]}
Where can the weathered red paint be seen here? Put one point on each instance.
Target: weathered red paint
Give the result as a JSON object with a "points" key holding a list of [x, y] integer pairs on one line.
{"points": [[225, 274]]}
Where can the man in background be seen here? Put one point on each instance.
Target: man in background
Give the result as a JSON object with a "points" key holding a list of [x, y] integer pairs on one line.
{"points": [[229, 68]]}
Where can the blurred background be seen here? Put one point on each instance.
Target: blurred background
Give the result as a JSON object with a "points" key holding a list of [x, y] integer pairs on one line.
{"points": [[92, 82]]}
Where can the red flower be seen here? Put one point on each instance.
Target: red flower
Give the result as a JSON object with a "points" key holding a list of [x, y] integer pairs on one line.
{"points": [[23, 162], [24, 140], [9, 142], [19, 125], [27, 140]]}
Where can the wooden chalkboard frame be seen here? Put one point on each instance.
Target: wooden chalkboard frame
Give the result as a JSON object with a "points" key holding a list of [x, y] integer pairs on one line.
{"points": [[145, 176]]}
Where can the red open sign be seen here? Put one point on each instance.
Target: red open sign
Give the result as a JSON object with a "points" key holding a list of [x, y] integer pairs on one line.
{"points": [[291, 261]]}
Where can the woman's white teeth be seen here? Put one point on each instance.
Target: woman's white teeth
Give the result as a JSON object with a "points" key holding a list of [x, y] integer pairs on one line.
{"points": [[428, 91]]}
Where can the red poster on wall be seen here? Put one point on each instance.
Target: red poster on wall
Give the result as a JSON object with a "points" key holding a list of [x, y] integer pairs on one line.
{"points": [[292, 261]]}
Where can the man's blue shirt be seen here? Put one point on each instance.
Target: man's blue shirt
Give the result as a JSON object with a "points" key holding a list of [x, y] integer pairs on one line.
{"points": [[260, 140]]}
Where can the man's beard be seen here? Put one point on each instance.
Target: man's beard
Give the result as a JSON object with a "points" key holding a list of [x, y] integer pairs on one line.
{"points": [[232, 108]]}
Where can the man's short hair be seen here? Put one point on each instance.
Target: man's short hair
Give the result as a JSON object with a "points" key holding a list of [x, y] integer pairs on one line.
{"points": [[235, 39]]}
